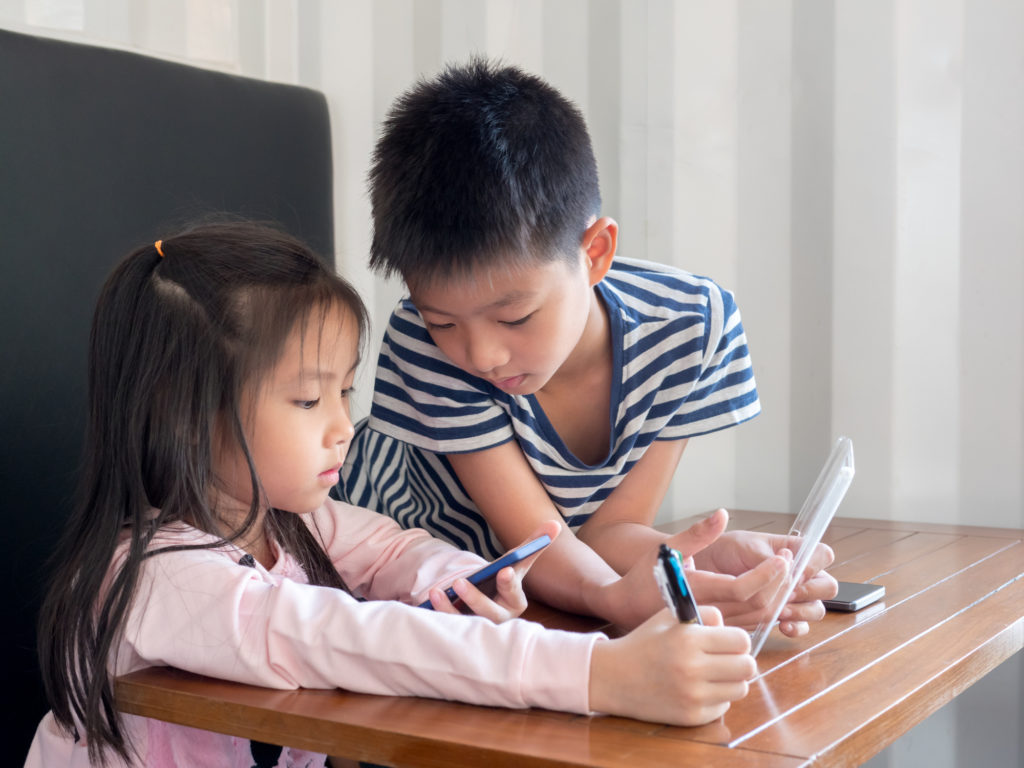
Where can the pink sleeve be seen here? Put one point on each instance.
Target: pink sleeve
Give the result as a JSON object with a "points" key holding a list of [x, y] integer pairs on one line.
{"points": [[380, 560], [200, 611]]}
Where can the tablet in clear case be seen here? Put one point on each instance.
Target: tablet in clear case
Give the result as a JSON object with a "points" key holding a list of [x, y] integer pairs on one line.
{"points": [[817, 512]]}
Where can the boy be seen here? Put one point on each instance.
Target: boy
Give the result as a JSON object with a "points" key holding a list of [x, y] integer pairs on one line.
{"points": [[530, 375]]}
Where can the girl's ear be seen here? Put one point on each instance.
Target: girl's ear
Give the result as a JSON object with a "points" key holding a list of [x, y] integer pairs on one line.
{"points": [[598, 245]]}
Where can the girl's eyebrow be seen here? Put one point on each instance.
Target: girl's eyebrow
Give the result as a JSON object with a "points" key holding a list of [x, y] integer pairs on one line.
{"points": [[318, 373]]}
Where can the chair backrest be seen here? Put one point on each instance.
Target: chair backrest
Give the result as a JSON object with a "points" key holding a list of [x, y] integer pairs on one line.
{"points": [[101, 151]]}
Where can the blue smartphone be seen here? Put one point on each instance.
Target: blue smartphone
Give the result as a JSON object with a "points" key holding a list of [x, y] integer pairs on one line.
{"points": [[669, 574], [485, 578]]}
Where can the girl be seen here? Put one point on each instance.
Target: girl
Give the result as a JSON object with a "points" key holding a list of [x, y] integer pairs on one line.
{"points": [[203, 537]]}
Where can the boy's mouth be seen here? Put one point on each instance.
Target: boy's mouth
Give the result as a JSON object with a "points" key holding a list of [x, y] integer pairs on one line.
{"points": [[509, 383]]}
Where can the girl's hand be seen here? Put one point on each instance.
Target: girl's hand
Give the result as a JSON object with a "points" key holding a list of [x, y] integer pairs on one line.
{"points": [[667, 672], [510, 600]]}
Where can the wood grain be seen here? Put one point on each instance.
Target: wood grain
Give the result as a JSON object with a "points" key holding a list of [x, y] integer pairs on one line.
{"points": [[953, 611]]}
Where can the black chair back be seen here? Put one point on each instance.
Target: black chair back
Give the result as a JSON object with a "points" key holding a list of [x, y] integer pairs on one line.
{"points": [[102, 151]]}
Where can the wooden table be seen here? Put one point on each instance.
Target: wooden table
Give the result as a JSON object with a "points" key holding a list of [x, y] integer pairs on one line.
{"points": [[953, 611]]}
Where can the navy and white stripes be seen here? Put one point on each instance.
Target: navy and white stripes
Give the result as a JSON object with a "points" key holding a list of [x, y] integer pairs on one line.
{"points": [[680, 368]]}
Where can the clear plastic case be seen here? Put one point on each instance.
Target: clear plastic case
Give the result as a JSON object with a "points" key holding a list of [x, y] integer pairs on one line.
{"points": [[817, 512]]}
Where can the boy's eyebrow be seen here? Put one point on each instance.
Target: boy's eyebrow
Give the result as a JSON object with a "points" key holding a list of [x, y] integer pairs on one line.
{"points": [[512, 297]]}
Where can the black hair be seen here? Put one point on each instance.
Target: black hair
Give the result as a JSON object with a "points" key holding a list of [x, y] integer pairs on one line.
{"points": [[175, 341], [482, 165]]}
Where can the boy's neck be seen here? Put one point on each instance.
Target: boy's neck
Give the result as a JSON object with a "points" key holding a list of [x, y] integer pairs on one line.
{"points": [[575, 399], [590, 358]]}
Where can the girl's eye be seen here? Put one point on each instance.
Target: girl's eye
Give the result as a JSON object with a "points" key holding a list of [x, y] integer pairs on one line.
{"points": [[307, 404], [439, 326], [347, 392], [520, 321]]}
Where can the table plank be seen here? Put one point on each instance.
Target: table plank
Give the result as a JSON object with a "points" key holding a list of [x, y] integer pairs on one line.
{"points": [[952, 612], [848, 725], [804, 671], [416, 732]]}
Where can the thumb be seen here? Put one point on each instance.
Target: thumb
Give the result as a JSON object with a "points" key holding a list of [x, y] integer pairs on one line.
{"points": [[550, 527], [700, 534]]}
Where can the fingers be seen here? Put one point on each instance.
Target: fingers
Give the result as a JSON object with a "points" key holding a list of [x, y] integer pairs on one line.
{"points": [[710, 616], [509, 600], [511, 596], [699, 535], [803, 611], [822, 586], [751, 589], [794, 628], [440, 602], [725, 664], [821, 557], [683, 674]]}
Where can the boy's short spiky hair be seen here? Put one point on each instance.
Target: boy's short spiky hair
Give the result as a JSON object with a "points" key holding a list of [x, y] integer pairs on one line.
{"points": [[483, 164]]}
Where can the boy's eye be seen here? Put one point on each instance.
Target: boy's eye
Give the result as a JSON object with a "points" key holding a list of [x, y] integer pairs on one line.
{"points": [[307, 404], [439, 326], [347, 392], [520, 321]]}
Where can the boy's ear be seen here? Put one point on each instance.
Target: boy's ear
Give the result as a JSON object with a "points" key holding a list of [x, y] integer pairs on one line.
{"points": [[599, 243]]}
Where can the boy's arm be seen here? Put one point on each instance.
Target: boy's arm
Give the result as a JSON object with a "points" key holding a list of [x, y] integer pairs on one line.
{"points": [[569, 575], [574, 577], [620, 530]]}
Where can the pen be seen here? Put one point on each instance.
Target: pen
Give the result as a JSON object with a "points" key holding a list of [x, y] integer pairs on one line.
{"points": [[668, 572]]}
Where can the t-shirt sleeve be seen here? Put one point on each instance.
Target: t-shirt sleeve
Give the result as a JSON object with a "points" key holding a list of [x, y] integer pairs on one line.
{"points": [[421, 398], [723, 392]]}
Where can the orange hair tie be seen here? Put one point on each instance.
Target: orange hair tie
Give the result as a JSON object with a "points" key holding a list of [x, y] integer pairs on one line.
{"points": [[159, 250]]}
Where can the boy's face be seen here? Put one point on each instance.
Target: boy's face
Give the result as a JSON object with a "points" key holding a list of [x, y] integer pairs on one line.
{"points": [[513, 328], [297, 423]]}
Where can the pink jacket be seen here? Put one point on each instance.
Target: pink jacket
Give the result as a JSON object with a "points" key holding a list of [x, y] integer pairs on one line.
{"points": [[200, 610]]}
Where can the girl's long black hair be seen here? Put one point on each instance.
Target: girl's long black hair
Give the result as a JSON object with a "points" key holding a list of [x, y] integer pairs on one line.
{"points": [[175, 339]]}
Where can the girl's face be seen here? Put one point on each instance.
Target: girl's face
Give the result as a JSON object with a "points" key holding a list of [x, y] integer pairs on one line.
{"points": [[297, 422]]}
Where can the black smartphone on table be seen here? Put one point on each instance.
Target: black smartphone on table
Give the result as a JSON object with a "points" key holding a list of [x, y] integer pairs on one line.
{"points": [[852, 596], [486, 578]]}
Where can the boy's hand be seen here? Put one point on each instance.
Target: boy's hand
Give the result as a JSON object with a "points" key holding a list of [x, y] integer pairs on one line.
{"points": [[745, 569], [636, 595], [667, 672], [510, 600]]}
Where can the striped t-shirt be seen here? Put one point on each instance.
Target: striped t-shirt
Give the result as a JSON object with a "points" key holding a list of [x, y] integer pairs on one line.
{"points": [[680, 369]]}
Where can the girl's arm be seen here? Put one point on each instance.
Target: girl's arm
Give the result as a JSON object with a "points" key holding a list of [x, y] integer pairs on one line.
{"points": [[380, 560], [201, 611]]}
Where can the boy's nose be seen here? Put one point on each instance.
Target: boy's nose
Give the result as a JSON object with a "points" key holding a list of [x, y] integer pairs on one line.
{"points": [[485, 353]]}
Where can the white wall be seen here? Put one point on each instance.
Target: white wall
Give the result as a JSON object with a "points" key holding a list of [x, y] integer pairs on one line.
{"points": [[853, 169]]}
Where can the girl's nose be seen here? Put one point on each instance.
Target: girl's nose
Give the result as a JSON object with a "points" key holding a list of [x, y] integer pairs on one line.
{"points": [[340, 429]]}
